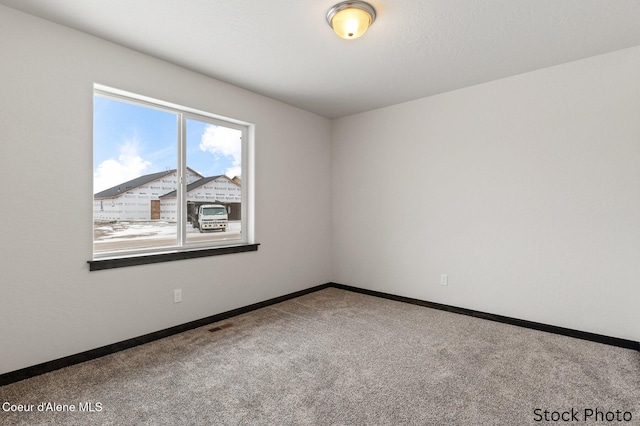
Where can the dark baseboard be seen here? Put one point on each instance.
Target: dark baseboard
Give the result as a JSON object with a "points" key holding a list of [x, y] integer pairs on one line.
{"points": [[57, 364], [45, 367], [599, 338]]}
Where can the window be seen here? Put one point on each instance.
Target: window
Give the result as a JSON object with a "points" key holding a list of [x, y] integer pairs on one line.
{"points": [[167, 179]]}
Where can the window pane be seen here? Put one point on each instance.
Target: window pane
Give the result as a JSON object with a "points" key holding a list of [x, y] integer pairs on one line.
{"points": [[134, 170], [214, 190]]}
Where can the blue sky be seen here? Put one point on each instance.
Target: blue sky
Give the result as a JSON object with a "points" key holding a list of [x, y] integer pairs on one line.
{"points": [[131, 140]]}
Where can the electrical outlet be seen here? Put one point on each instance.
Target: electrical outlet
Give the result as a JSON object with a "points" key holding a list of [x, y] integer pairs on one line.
{"points": [[177, 295], [444, 279]]}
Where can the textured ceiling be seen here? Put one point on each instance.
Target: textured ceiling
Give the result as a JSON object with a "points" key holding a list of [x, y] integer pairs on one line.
{"points": [[284, 48]]}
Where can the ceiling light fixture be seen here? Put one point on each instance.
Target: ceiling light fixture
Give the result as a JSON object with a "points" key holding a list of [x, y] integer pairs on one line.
{"points": [[350, 19]]}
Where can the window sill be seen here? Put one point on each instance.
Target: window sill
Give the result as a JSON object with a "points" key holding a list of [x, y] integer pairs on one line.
{"points": [[97, 265]]}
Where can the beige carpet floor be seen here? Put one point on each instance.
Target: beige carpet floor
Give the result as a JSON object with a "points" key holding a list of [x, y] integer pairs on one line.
{"points": [[335, 357]]}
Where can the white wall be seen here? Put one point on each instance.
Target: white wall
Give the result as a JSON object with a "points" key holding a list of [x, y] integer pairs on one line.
{"points": [[51, 305], [526, 191]]}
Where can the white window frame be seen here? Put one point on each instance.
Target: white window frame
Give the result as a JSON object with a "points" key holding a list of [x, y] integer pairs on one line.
{"points": [[182, 246]]}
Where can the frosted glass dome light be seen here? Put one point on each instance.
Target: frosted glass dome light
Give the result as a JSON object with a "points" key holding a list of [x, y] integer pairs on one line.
{"points": [[351, 19]]}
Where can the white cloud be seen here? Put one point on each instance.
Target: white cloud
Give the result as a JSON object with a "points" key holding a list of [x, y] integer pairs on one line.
{"points": [[112, 172], [223, 141], [233, 171]]}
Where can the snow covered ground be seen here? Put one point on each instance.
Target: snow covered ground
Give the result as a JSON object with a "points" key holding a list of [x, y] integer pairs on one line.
{"points": [[110, 237], [127, 231]]}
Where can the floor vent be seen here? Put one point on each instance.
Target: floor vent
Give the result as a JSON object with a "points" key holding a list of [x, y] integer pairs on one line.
{"points": [[220, 327]]}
